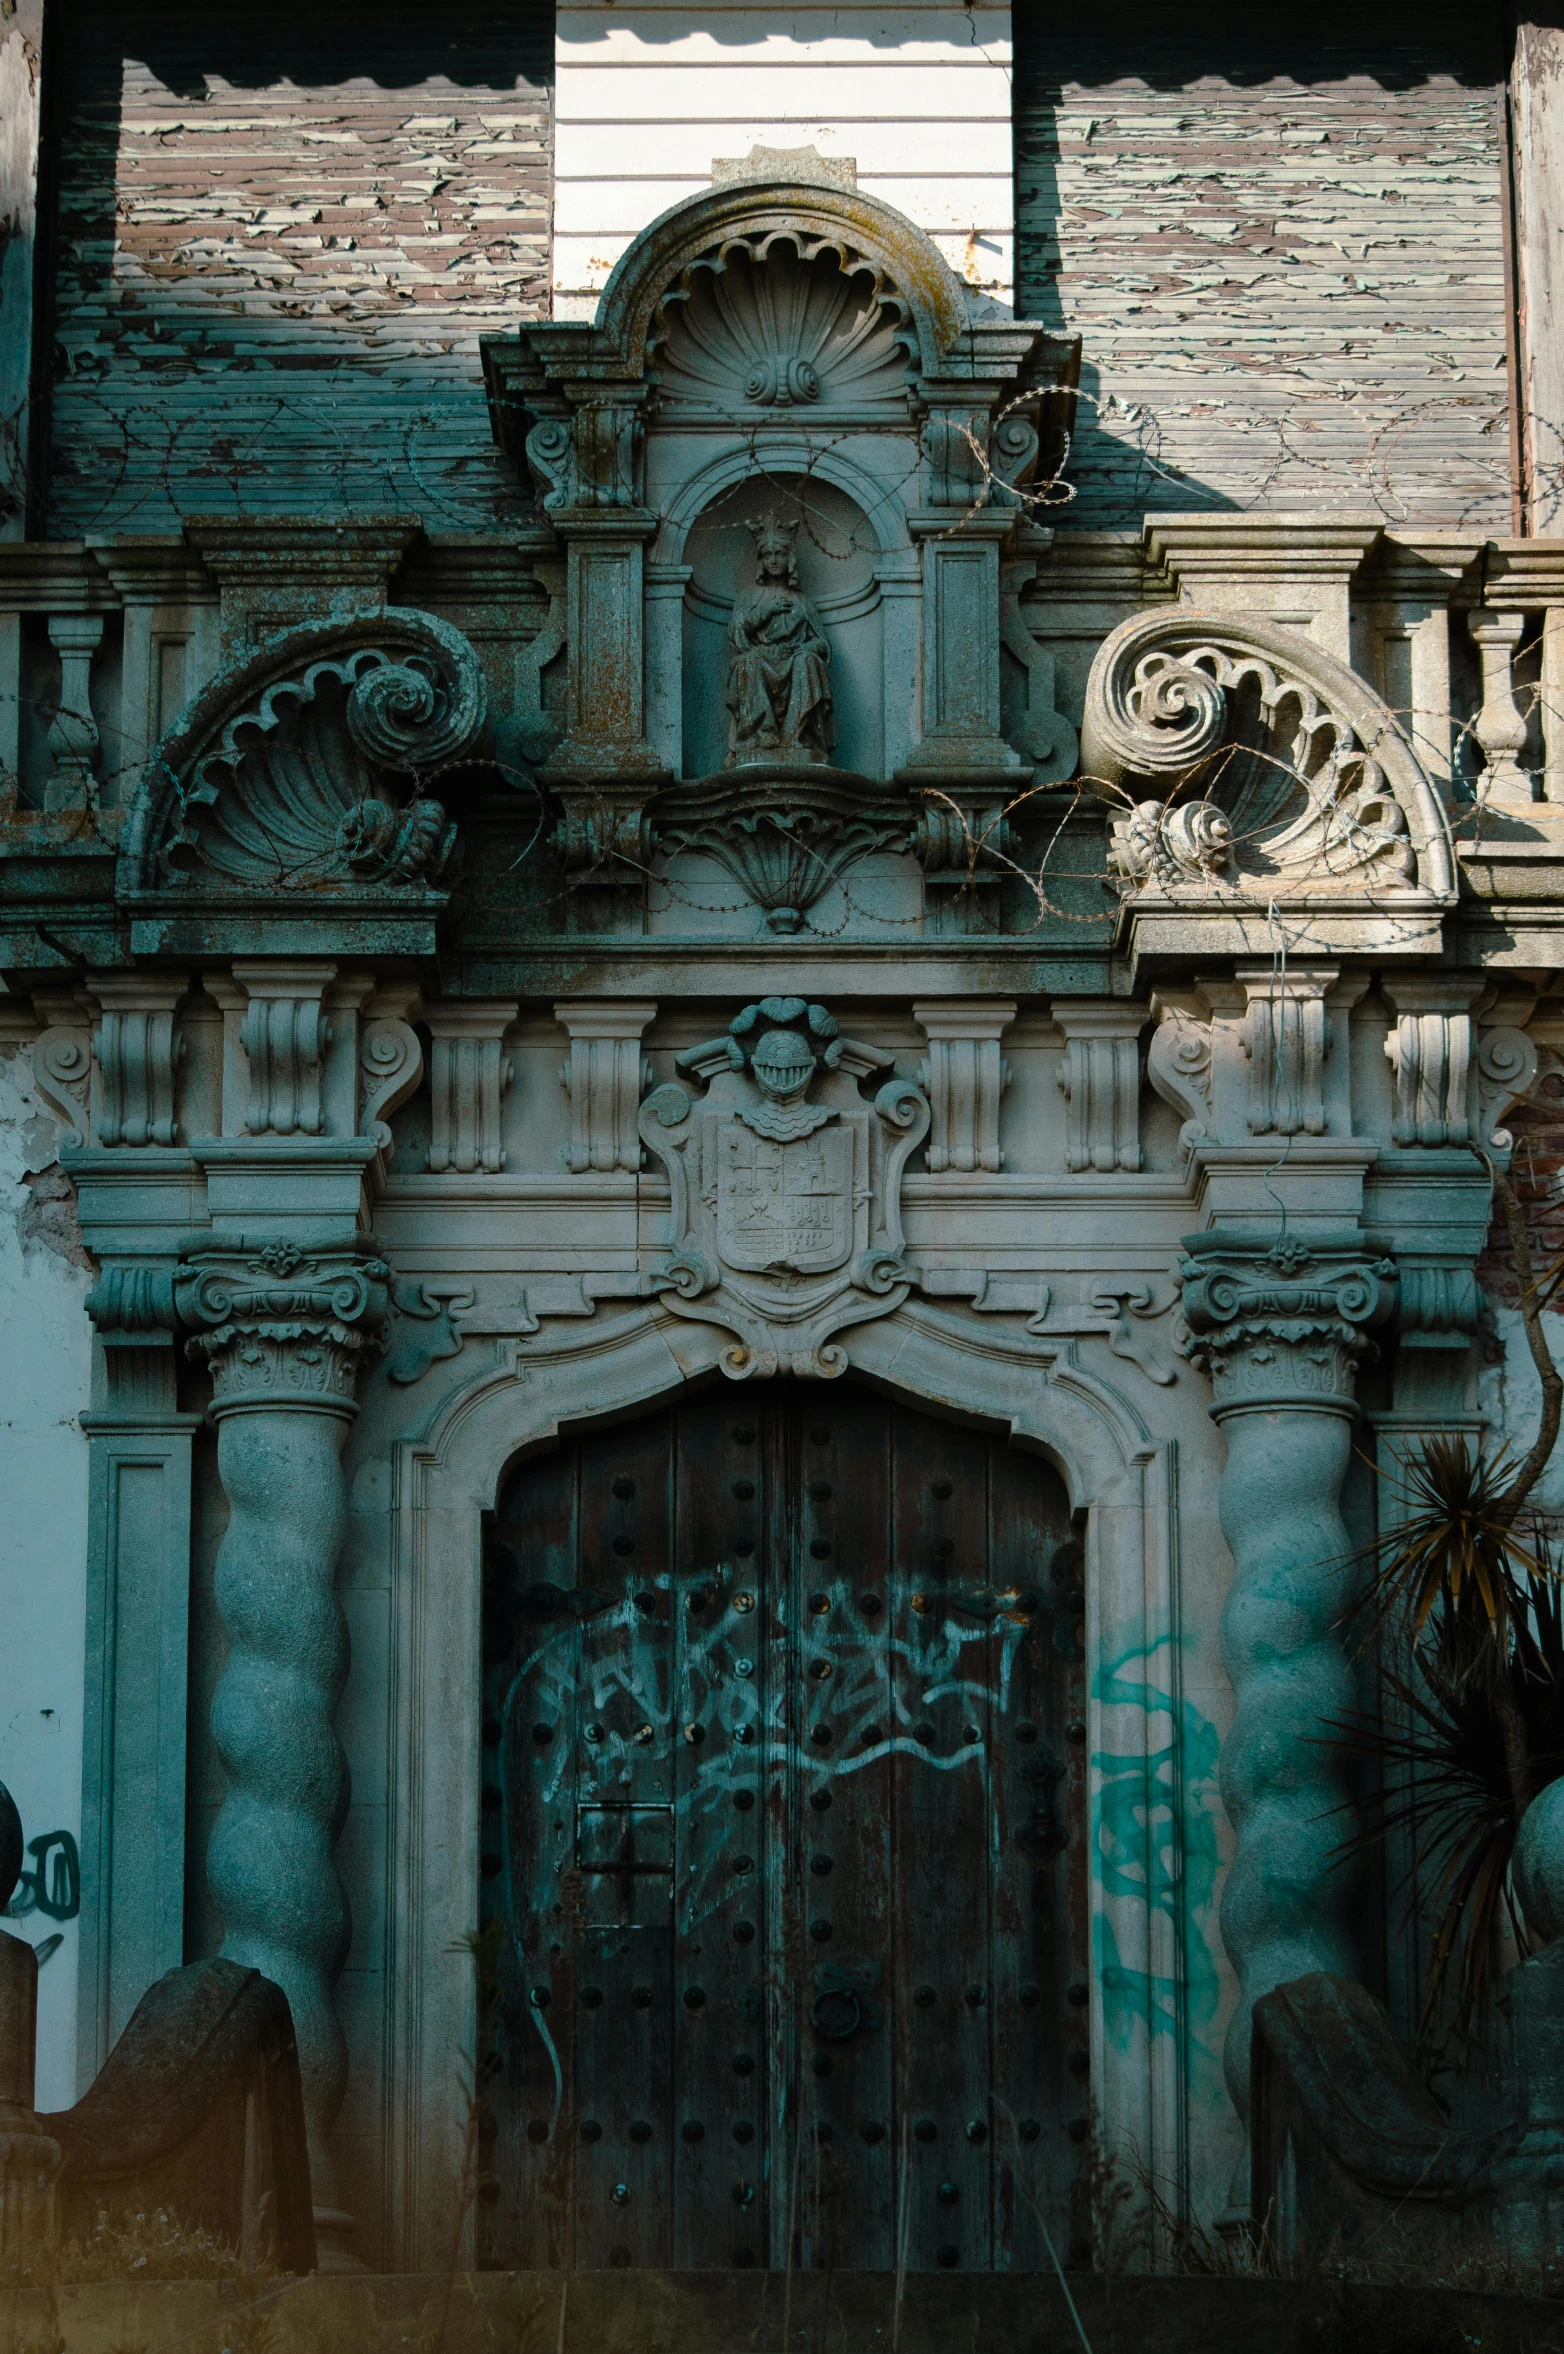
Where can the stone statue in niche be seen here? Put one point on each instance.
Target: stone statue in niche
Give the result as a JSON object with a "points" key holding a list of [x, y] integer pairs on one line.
{"points": [[779, 664]]}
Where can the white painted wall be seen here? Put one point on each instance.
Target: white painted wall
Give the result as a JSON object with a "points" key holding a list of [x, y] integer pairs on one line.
{"points": [[917, 93], [45, 1369]]}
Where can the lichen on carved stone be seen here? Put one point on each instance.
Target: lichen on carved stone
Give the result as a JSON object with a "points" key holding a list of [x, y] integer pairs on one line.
{"points": [[303, 767], [1276, 768]]}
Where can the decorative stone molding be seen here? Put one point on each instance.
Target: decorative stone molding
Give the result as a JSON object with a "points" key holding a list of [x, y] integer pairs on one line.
{"points": [[784, 834], [290, 773], [468, 1077], [1279, 775], [390, 1059], [1281, 1327], [786, 1212], [1101, 1080], [964, 1077], [73, 731], [274, 571], [1287, 1038], [1500, 726], [1178, 1065], [1507, 1067], [138, 1052], [1430, 1052], [284, 1033], [1294, 571], [284, 1332], [62, 1065], [605, 1079]]}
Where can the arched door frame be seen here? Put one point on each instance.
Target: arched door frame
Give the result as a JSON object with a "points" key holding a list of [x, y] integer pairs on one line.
{"points": [[448, 1476]]}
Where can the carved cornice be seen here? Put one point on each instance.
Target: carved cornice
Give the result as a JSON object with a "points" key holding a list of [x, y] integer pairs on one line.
{"points": [[281, 1325], [1283, 1323]]}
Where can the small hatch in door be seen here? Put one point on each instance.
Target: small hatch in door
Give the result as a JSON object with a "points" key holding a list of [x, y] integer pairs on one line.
{"points": [[624, 1856]]}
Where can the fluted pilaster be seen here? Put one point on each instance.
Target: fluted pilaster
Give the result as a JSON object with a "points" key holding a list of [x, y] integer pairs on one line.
{"points": [[1281, 1328], [285, 1332]]}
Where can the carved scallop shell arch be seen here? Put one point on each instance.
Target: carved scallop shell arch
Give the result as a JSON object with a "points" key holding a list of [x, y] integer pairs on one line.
{"points": [[1241, 758], [302, 768], [782, 323]]}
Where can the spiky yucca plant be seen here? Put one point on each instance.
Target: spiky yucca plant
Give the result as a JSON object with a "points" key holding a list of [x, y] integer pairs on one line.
{"points": [[1463, 1596]]}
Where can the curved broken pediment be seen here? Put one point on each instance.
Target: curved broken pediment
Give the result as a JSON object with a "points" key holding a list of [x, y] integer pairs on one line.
{"points": [[1272, 769], [304, 767]]}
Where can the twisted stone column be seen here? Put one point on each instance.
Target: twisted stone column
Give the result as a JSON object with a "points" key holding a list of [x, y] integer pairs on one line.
{"points": [[284, 1332], [1281, 1327]]}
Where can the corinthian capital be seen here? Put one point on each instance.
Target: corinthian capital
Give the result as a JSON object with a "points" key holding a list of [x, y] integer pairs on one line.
{"points": [[1283, 1323], [282, 1324]]}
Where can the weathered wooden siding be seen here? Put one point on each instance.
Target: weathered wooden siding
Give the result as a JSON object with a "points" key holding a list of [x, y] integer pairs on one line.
{"points": [[1284, 251], [281, 234]]}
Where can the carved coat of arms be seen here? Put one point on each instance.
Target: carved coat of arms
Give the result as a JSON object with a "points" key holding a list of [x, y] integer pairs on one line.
{"points": [[786, 1186]]}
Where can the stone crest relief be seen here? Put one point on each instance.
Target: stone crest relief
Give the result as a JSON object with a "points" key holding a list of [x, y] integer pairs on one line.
{"points": [[786, 1186]]}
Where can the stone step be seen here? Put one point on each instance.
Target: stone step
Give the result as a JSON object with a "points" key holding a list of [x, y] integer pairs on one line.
{"points": [[758, 2313]]}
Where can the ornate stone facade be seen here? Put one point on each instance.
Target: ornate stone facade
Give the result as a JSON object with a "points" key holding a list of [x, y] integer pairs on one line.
{"points": [[525, 977]]}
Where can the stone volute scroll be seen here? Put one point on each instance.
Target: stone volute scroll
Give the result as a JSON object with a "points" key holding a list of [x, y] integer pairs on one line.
{"points": [[786, 1186], [302, 773], [1247, 770]]}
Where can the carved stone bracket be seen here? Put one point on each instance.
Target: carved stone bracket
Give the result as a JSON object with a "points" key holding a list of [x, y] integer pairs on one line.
{"points": [[62, 1066], [1101, 1080], [1507, 1068], [1430, 1052], [138, 1052], [284, 1033], [1281, 1327], [784, 833], [604, 1079], [391, 1061], [468, 1076], [965, 1076], [786, 1186], [1178, 1065], [1286, 1038]]}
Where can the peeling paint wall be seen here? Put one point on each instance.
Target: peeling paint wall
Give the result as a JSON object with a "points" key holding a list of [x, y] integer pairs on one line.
{"points": [[44, 1376], [281, 236], [1284, 252]]}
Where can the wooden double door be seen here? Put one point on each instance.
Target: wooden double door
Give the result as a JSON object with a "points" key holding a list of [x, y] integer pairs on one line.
{"points": [[782, 1867]]}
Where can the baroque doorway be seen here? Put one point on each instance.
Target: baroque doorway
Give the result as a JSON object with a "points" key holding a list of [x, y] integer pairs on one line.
{"points": [[782, 1861]]}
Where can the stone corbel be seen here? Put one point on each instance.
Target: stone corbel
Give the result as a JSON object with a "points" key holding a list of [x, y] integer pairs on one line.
{"points": [[964, 1078], [1101, 1080], [604, 1079], [1178, 1065], [62, 1064], [284, 1033], [1430, 1052], [390, 1061], [1508, 1064], [138, 1051], [1287, 1040], [468, 1076]]}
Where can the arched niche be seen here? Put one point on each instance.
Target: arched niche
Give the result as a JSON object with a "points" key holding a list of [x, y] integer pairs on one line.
{"points": [[836, 563]]}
